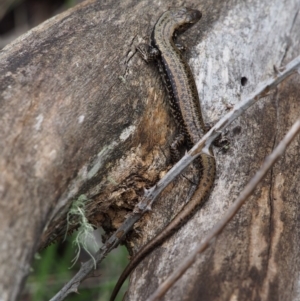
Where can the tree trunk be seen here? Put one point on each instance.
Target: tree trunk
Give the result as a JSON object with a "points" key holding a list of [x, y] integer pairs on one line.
{"points": [[83, 115]]}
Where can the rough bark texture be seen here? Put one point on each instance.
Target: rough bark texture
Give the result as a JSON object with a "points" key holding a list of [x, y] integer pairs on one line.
{"points": [[82, 114]]}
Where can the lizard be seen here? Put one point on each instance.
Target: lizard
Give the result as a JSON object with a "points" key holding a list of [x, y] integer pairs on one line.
{"points": [[185, 106]]}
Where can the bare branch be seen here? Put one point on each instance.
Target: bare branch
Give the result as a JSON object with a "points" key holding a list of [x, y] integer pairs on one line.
{"points": [[150, 195], [248, 190]]}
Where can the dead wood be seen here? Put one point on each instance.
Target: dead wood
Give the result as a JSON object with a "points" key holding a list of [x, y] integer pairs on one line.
{"points": [[82, 114]]}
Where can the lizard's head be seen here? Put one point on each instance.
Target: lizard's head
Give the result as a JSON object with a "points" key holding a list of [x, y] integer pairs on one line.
{"points": [[184, 18]]}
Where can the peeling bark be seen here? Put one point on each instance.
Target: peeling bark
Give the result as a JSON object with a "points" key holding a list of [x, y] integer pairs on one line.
{"points": [[82, 114]]}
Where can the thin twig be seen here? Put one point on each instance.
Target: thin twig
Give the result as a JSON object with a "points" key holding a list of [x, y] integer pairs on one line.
{"points": [[218, 228], [151, 194]]}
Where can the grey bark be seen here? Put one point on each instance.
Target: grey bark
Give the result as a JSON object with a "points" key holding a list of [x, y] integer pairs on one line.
{"points": [[82, 114]]}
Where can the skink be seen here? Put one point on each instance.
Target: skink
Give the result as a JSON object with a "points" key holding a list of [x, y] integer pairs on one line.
{"points": [[185, 105]]}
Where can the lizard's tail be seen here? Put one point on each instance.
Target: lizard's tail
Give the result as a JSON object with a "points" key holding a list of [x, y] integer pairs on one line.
{"points": [[198, 198]]}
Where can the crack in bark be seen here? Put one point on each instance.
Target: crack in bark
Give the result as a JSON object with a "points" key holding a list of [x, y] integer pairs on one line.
{"points": [[128, 59], [271, 205]]}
